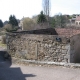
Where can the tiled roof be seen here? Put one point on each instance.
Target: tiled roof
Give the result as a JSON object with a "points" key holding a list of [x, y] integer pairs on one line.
{"points": [[67, 32]]}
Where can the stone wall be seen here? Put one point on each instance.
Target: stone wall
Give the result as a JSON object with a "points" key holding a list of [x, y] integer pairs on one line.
{"points": [[38, 47]]}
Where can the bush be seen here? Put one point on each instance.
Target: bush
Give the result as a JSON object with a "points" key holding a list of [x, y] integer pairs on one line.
{"points": [[10, 28], [28, 24]]}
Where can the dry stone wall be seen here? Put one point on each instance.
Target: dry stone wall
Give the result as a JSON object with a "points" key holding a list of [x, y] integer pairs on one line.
{"points": [[38, 47]]}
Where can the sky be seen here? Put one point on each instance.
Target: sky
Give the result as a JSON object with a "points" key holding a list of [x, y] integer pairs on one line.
{"points": [[29, 8]]}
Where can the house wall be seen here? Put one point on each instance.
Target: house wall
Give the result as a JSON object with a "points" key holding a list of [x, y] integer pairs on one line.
{"points": [[38, 47], [77, 23], [75, 49]]}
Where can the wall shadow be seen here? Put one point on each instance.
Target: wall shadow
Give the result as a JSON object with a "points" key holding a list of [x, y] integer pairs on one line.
{"points": [[10, 73]]}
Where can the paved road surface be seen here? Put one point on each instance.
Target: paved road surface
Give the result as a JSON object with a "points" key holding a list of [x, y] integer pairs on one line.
{"points": [[21, 72], [10, 71]]}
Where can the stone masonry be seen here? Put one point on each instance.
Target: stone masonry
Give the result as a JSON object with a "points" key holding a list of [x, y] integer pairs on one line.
{"points": [[38, 47]]}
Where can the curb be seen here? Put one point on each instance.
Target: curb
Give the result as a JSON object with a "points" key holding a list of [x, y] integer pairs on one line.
{"points": [[23, 61]]}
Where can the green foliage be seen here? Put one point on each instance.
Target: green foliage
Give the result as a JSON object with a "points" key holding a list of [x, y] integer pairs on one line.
{"points": [[53, 22], [12, 30], [1, 24], [62, 21], [13, 24], [9, 28], [13, 20], [41, 18], [70, 17], [59, 21]]}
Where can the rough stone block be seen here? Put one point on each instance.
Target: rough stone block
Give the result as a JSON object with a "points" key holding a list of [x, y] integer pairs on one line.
{"points": [[64, 51]]}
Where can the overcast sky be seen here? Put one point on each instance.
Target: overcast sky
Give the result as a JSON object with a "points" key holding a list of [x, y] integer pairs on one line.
{"points": [[29, 8]]}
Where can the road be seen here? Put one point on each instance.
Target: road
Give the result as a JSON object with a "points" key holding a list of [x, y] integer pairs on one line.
{"points": [[21, 72]]}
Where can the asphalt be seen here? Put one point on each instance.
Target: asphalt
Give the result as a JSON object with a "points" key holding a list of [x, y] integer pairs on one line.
{"points": [[9, 71]]}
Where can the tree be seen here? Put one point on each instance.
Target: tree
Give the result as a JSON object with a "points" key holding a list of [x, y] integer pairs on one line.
{"points": [[1, 24], [46, 8], [41, 18], [63, 21], [52, 22], [59, 20], [13, 20], [14, 23], [6, 22]]}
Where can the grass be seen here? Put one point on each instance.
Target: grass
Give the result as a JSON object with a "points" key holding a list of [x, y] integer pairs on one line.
{"points": [[2, 45]]}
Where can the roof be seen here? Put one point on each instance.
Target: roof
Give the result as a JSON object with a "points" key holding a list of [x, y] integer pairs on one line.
{"points": [[67, 32], [47, 31]]}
